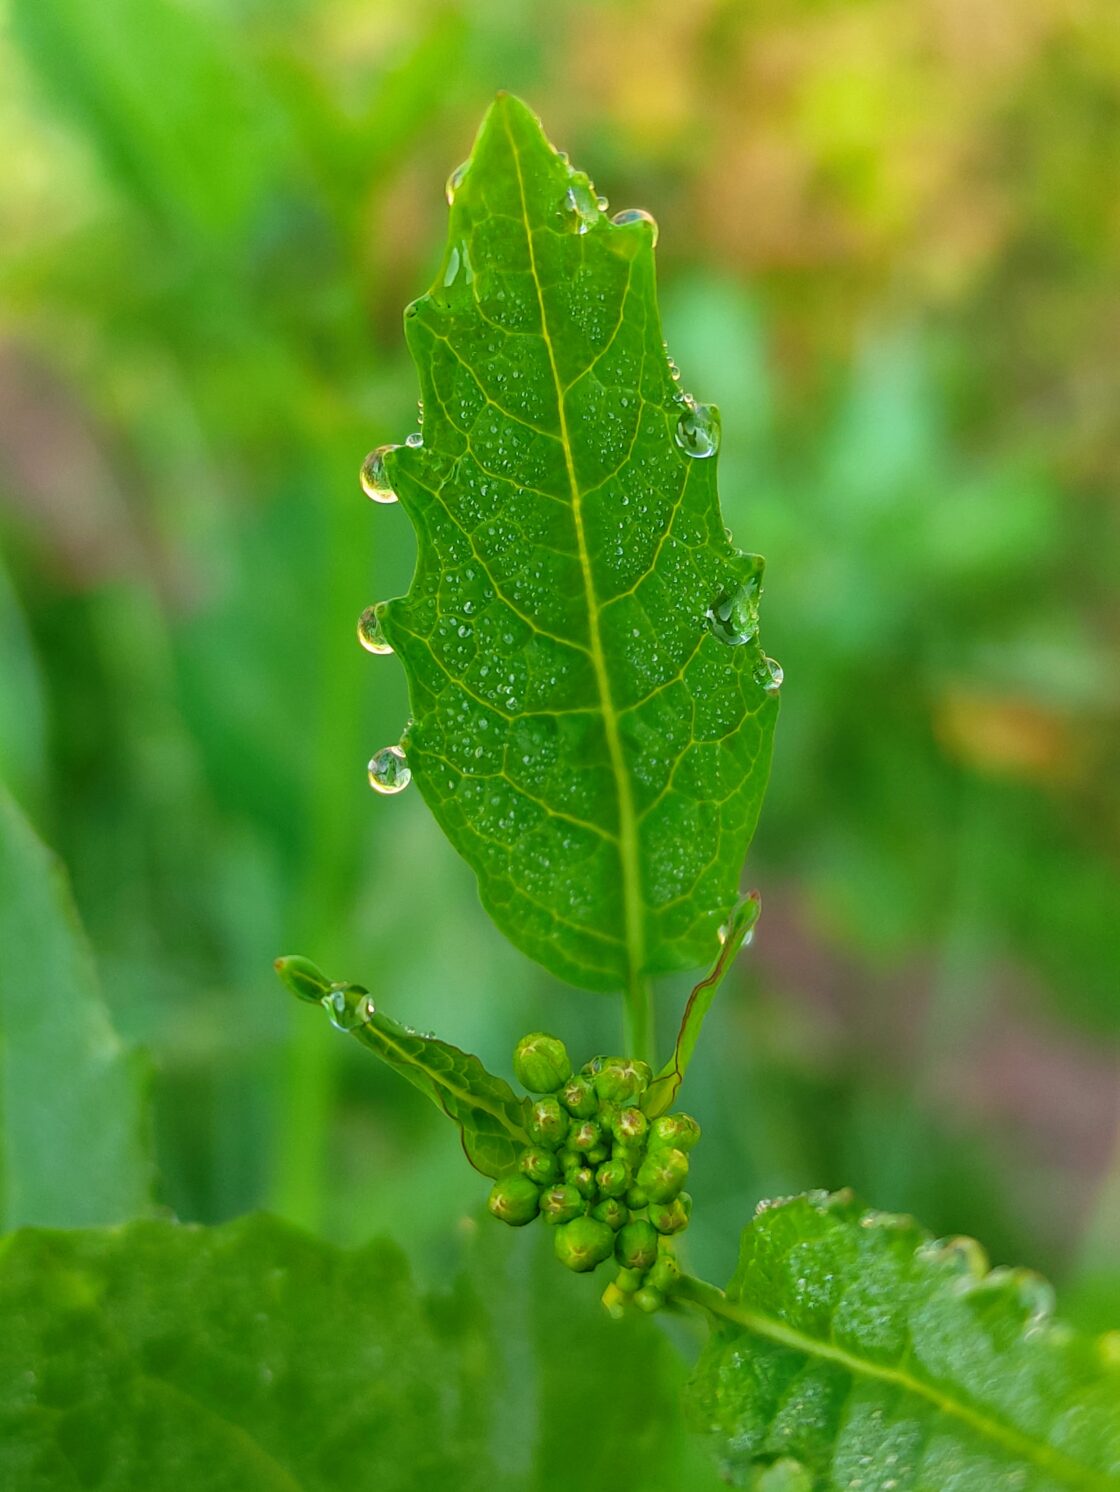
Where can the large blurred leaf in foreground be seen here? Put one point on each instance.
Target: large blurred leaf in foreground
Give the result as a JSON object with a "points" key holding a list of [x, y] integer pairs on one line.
{"points": [[73, 1128], [252, 1358], [877, 1358], [593, 712]]}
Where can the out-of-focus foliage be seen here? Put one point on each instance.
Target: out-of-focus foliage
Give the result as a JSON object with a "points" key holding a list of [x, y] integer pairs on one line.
{"points": [[251, 1358], [888, 251]]}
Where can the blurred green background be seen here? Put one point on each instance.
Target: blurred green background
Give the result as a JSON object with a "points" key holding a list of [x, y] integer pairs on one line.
{"points": [[889, 243]]}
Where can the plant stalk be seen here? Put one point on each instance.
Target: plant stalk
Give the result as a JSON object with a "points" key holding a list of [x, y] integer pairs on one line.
{"points": [[639, 1021]]}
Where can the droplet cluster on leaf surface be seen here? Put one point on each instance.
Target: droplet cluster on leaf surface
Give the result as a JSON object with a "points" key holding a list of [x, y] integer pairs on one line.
{"points": [[606, 1179]]}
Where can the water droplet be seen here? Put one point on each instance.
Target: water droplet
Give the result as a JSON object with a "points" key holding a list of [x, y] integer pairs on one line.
{"points": [[581, 200], [348, 1005], [389, 771], [734, 617], [414, 440], [375, 479], [602, 204], [698, 429], [455, 180], [769, 674], [370, 635], [636, 215]]}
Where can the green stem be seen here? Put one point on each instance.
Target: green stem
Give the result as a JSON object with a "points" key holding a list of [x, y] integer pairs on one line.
{"points": [[639, 1021]]}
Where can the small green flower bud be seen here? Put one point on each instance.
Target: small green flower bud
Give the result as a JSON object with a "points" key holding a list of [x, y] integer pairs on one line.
{"points": [[539, 1165], [630, 1126], [612, 1212], [559, 1204], [583, 1243], [302, 978], [585, 1136], [570, 1160], [515, 1200], [629, 1280], [671, 1217], [548, 1123], [578, 1097], [597, 1155], [583, 1179], [613, 1177], [637, 1246], [679, 1131], [636, 1198], [606, 1115], [649, 1299], [541, 1063], [614, 1302], [592, 1066], [663, 1173], [665, 1272], [622, 1079]]}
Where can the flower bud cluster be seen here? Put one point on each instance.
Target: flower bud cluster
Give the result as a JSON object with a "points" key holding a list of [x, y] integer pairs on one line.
{"points": [[606, 1178]]}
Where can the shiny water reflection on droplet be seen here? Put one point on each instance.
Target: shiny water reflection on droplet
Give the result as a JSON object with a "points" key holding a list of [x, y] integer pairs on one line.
{"points": [[734, 617], [636, 215], [455, 180], [374, 477], [348, 1005], [769, 674], [370, 634], [389, 771], [697, 431]]}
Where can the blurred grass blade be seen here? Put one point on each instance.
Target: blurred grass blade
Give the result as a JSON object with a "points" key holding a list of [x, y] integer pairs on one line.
{"points": [[853, 1343], [73, 1125], [662, 1091], [484, 1108], [592, 709]]}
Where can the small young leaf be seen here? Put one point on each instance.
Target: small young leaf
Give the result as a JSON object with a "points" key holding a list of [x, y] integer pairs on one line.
{"points": [[661, 1092], [592, 710], [487, 1112], [73, 1120], [876, 1357]]}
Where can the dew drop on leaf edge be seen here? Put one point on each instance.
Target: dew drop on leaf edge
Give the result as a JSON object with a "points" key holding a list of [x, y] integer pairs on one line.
{"points": [[769, 674], [733, 618], [370, 633], [635, 215], [375, 479], [389, 771], [697, 431], [348, 1005], [455, 180]]}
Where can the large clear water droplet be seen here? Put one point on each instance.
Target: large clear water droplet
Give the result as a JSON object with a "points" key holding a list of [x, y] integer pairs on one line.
{"points": [[370, 634], [348, 1005], [697, 429], [769, 674], [374, 477], [389, 771], [636, 215], [455, 180], [733, 618]]}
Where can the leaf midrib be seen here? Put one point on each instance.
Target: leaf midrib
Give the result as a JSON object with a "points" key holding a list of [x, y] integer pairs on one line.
{"points": [[1072, 1473], [463, 1096], [629, 862]]}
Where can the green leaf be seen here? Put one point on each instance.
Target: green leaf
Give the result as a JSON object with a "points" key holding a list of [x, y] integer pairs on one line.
{"points": [[73, 1126], [581, 732], [485, 1108], [253, 1358], [853, 1344], [665, 1086]]}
